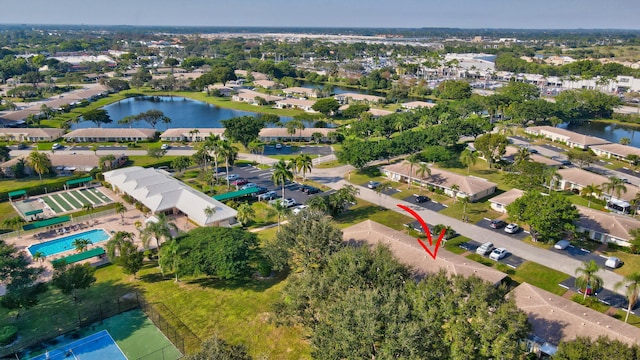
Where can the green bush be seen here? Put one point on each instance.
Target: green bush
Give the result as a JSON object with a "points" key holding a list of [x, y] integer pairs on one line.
{"points": [[8, 334], [264, 268]]}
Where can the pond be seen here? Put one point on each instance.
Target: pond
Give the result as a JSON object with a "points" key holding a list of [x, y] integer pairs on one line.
{"points": [[607, 131], [183, 112]]}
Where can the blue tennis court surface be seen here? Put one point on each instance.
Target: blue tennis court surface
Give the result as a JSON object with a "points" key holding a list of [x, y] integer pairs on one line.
{"points": [[97, 346]]}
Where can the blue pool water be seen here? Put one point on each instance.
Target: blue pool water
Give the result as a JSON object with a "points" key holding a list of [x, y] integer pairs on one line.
{"points": [[64, 244], [98, 346]]}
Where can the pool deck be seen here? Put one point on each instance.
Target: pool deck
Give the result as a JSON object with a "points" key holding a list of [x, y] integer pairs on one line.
{"points": [[111, 224]]}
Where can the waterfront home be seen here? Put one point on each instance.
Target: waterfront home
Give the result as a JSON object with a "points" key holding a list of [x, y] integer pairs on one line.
{"points": [[569, 138]]}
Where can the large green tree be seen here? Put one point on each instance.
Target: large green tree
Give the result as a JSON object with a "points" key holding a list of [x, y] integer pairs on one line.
{"points": [[243, 129], [492, 146], [550, 217], [97, 116], [326, 106], [71, 278], [584, 348], [226, 253], [19, 278]]}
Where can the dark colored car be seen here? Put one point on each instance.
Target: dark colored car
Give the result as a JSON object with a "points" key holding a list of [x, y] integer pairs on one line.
{"points": [[497, 224], [239, 182], [309, 189], [422, 199]]}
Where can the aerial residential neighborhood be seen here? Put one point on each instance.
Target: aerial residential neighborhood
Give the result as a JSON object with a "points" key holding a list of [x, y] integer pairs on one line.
{"points": [[343, 190]]}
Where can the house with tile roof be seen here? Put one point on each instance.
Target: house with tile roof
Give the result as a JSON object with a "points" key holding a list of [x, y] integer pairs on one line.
{"points": [[570, 138], [412, 105], [191, 134], [109, 135], [500, 202], [606, 227], [408, 251], [293, 103], [348, 98], [615, 151], [162, 193], [471, 187], [576, 179], [30, 134], [252, 97]]}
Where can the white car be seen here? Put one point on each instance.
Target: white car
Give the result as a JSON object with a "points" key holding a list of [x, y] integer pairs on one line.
{"points": [[298, 209], [511, 228], [56, 146], [278, 146], [485, 248], [498, 254], [248, 185], [232, 177], [165, 147], [562, 244]]}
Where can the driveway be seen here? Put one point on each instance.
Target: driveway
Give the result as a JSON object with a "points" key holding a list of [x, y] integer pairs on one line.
{"points": [[510, 260], [520, 235], [431, 205], [605, 296]]}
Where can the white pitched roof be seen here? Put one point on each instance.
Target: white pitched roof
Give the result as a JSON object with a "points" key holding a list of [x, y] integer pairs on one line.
{"points": [[159, 191]]}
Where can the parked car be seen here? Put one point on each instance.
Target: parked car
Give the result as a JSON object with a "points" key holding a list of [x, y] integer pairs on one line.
{"points": [[298, 209], [512, 228], [307, 189], [56, 146], [278, 146], [613, 262], [269, 195], [497, 224], [289, 202], [239, 182], [498, 254], [562, 244], [165, 147], [232, 177], [422, 199], [485, 248], [373, 184], [261, 190], [248, 185]]}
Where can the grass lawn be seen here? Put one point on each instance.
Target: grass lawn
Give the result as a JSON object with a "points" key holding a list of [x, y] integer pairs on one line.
{"points": [[453, 244], [148, 161], [633, 319], [7, 185], [631, 263], [240, 311], [7, 212], [591, 303], [364, 210], [328, 164], [474, 211], [541, 276]]}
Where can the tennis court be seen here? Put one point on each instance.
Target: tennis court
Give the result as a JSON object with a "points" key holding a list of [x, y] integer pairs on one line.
{"points": [[130, 335]]}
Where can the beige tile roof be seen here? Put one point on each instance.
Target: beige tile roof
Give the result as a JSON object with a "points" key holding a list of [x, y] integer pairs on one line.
{"points": [[379, 112], [618, 226], [110, 133], [19, 115], [32, 132], [265, 83], [568, 135], [467, 184], [85, 162], [299, 90], [296, 102], [202, 132], [618, 149], [583, 178], [250, 94], [418, 104], [282, 132], [409, 252], [360, 97], [557, 319], [507, 197]]}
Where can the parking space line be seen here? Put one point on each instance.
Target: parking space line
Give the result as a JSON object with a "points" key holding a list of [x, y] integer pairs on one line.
{"points": [[564, 286]]}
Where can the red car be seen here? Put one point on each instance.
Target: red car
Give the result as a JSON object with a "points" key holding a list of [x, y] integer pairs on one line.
{"points": [[239, 182]]}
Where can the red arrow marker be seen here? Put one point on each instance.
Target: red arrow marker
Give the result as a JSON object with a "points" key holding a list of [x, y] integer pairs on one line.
{"points": [[426, 231]]}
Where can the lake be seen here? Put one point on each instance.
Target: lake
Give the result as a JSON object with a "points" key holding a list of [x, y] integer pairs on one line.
{"points": [[183, 112], [607, 131]]}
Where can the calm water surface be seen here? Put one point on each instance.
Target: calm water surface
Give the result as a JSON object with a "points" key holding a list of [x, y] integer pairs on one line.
{"points": [[611, 132], [183, 112]]}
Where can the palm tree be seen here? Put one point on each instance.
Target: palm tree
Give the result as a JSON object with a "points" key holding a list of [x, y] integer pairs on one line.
{"points": [[551, 177], [115, 244], [106, 161], [171, 259], [81, 245], [39, 256], [281, 174], [587, 278], [625, 141], [212, 146], [40, 162], [632, 283], [181, 163], [14, 223], [454, 189], [246, 213], [468, 158], [160, 229], [281, 211], [303, 163], [208, 212], [523, 154], [229, 153], [635, 202], [412, 160], [120, 210], [616, 185], [589, 190], [423, 169], [464, 200]]}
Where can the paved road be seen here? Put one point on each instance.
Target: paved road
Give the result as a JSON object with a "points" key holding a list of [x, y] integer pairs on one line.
{"points": [[333, 178]]}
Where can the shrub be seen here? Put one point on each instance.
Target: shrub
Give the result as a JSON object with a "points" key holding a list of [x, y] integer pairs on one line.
{"points": [[264, 268], [8, 334]]}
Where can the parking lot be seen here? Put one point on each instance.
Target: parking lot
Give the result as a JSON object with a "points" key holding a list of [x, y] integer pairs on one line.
{"points": [[431, 205], [603, 295], [520, 235], [289, 150], [509, 260], [263, 178]]}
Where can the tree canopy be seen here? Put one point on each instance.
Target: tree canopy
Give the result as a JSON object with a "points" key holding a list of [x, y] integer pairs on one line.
{"points": [[243, 129]]}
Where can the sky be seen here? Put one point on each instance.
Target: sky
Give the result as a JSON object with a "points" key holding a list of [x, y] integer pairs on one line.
{"points": [[520, 14]]}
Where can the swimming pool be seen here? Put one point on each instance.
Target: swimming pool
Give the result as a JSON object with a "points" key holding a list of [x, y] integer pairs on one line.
{"points": [[64, 244]]}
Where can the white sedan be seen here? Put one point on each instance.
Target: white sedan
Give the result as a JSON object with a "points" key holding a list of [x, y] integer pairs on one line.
{"points": [[498, 254]]}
